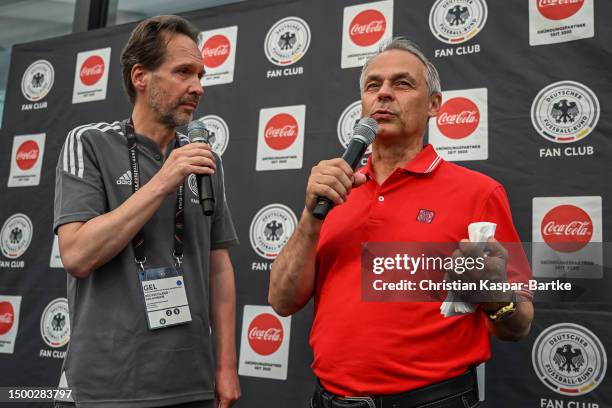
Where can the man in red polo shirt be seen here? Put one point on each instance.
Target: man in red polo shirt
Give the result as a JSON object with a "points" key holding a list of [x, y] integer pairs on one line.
{"points": [[397, 354]]}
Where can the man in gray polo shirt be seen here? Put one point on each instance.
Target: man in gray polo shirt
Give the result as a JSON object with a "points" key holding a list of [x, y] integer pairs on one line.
{"points": [[161, 332]]}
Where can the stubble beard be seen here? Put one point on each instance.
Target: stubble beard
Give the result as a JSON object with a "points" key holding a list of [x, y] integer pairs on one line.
{"points": [[167, 115]]}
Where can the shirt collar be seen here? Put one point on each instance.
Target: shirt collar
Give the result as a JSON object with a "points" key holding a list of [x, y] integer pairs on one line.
{"points": [[424, 163]]}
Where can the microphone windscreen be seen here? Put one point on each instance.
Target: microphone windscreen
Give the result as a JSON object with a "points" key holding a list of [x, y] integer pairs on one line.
{"points": [[366, 129], [197, 132]]}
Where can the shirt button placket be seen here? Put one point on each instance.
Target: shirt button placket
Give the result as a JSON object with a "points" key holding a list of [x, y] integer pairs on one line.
{"points": [[376, 211]]}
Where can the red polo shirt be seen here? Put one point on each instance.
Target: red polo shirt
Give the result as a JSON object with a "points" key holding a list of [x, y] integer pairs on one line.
{"points": [[377, 348]]}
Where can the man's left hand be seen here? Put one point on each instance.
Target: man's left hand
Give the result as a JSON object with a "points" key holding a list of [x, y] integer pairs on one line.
{"points": [[495, 258], [227, 388]]}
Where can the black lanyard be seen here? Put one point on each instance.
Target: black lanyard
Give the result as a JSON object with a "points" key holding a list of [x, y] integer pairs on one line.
{"points": [[138, 242]]}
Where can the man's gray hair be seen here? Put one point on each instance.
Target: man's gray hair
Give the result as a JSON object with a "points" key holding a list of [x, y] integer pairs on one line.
{"points": [[400, 43]]}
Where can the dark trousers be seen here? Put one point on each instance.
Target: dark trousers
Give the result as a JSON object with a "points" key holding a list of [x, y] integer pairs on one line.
{"points": [[466, 400], [458, 392]]}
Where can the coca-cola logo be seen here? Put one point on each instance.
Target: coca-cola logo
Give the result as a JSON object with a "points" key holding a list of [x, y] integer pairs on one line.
{"points": [[215, 51], [559, 9], [458, 118], [92, 70], [281, 131], [567, 228], [367, 27], [7, 317], [27, 155], [265, 334]]}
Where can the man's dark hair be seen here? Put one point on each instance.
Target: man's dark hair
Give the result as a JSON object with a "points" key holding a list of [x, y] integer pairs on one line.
{"points": [[147, 45]]}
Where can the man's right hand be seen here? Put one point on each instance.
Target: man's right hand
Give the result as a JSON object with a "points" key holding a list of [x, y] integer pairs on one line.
{"points": [[193, 158], [333, 179], [292, 275], [79, 242]]}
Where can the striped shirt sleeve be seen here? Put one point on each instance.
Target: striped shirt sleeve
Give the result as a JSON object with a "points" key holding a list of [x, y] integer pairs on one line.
{"points": [[79, 188]]}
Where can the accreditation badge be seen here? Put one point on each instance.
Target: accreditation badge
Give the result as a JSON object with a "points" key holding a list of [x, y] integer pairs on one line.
{"points": [[165, 298]]}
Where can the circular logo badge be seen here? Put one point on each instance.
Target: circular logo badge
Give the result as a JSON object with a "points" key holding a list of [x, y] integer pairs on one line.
{"points": [[559, 9], [37, 80], [7, 317], [265, 334], [456, 21], [367, 28], [569, 359], [458, 118], [271, 228], [27, 154], [218, 133], [215, 51], [16, 235], [281, 131], [565, 112], [567, 228], [348, 119], [92, 70], [287, 41], [55, 323]]}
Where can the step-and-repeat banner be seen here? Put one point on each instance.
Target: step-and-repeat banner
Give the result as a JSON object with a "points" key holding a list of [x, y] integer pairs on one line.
{"points": [[526, 87]]}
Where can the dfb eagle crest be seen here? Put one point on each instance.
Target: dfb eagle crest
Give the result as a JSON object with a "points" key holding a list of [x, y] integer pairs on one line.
{"points": [[273, 230], [37, 80], [564, 112], [457, 15], [287, 41], [58, 322], [16, 235], [567, 359]]}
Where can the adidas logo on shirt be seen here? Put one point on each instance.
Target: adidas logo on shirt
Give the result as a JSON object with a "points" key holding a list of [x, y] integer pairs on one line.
{"points": [[125, 179]]}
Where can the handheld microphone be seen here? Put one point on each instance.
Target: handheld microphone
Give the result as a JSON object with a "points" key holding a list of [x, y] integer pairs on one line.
{"points": [[364, 133], [197, 133]]}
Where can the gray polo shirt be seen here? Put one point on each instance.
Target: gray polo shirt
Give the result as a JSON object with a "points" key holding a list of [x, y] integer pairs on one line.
{"points": [[113, 359]]}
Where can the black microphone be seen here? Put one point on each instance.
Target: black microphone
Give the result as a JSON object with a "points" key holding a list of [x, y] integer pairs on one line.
{"points": [[197, 133], [364, 133]]}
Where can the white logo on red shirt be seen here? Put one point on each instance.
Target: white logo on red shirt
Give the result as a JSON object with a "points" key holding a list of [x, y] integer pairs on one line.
{"points": [[367, 27], [281, 131], [265, 334], [458, 118], [567, 228], [92, 70], [559, 9], [215, 51]]}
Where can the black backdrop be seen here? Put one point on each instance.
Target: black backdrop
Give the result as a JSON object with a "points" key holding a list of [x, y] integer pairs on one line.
{"points": [[513, 73]]}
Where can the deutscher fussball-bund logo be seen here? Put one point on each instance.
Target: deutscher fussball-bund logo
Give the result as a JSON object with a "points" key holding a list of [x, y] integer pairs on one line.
{"points": [[55, 323], [271, 228], [218, 133], [569, 359], [564, 112], [16, 235], [348, 119], [346, 124], [37, 80], [456, 21], [287, 41]]}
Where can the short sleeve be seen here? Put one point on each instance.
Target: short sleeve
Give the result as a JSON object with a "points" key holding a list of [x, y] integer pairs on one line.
{"points": [[497, 209], [79, 188], [223, 233]]}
